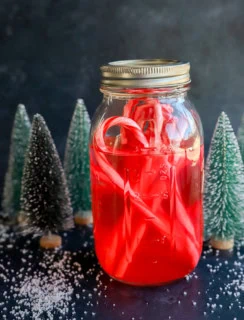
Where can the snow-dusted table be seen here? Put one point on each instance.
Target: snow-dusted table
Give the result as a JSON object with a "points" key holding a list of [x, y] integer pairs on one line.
{"points": [[69, 284]]}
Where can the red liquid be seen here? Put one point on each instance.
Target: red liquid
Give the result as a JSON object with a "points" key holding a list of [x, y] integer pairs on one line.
{"points": [[147, 211]]}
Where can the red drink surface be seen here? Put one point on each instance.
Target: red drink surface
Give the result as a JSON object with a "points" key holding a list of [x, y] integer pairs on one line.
{"points": [[147, 211]]}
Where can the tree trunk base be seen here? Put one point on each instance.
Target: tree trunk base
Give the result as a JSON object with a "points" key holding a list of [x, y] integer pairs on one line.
{"points": [[21, 219], [83, 220], [222, 244], [51, 241]]}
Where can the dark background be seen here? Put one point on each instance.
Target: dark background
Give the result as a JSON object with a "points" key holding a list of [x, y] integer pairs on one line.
{"points": [[51, 50]]}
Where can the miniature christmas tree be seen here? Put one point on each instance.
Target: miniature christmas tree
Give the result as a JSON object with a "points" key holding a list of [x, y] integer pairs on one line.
{"points": [[19, 142], [45, 199], [76, 164], [224, 187], [240, 137]]}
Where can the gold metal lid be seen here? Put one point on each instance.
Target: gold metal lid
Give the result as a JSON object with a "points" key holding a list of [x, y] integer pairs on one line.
{"points": [[145, 73]]}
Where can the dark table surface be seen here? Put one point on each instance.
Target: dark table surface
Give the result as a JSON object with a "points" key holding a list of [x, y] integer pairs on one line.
{"points": [[69, 284]]}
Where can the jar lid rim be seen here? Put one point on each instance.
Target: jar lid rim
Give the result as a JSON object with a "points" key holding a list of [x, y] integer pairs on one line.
{"points": [[146, 72]]}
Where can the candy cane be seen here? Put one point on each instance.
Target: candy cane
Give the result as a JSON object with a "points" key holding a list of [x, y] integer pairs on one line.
{"points": [[159, 122], [114, 176], [160, 119], [185, 245], [127, 112], [118, 181], [126, 123]]}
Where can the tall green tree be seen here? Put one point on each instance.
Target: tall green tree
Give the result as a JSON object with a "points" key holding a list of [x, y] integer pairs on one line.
{"points": [[45, 199], [18, 146], [76, 163], [240, 136], [224, 187]]}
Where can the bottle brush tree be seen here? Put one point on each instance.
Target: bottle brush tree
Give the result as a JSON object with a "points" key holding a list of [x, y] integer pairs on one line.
{"points": [[18, 146], [45, 199], [77, 166], [224, 188], [240, 137]]}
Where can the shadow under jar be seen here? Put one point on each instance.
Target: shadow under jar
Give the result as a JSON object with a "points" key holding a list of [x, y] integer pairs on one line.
{"points": [[146, 154]]}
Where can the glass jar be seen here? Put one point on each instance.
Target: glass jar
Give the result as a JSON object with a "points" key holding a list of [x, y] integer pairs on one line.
{"points": [[146, 155]]}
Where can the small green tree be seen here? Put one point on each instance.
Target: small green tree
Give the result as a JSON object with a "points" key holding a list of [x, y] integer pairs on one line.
{"points": [[240, 137], [45, 199], [18, 145], [224, 187], [76, 164]]}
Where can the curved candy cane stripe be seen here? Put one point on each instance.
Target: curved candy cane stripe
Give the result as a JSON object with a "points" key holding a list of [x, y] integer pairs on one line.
{"points": [[127, 112], [125, 123]]}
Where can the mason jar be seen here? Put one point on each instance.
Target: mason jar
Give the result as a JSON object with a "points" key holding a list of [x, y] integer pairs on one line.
{"points": [[146, 155]]}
